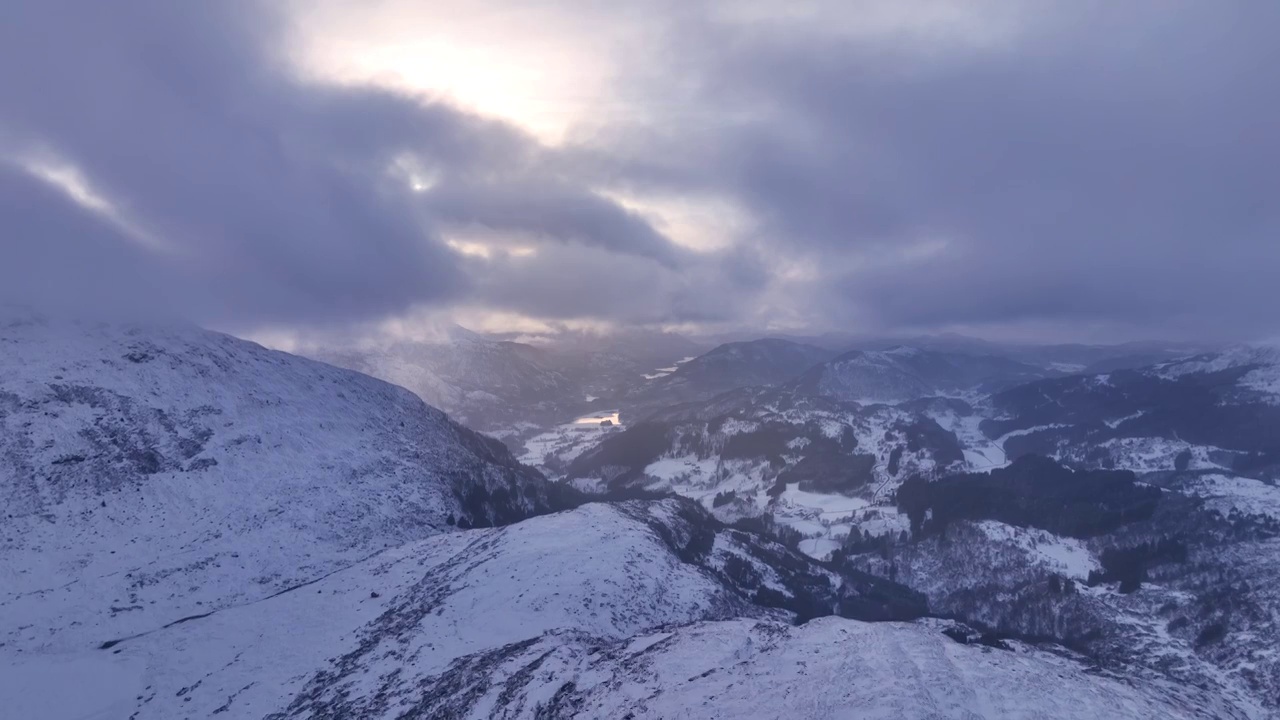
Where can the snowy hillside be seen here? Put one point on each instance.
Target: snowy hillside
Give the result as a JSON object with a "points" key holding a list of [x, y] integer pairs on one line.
{"points": [[518, 386], [829, 668], [810, 463], [1215, 411], [727, 367], [1179, 578], [1068, 358], [365, 639], [906, 373], [483, 383], [1261, 365], [148, 475], [597, 612], [196, 526]]}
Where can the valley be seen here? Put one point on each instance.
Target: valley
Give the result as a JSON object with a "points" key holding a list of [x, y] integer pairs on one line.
{"points": [[221, 529], [820, 457]]}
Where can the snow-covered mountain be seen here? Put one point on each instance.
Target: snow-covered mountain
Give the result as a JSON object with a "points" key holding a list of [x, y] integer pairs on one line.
{"points": [[648, 349], [828, 668], [365, 639], [1056, 358], [153, 474], [766, 362], [1219, 410], [1177, 573], [906, 373], [758, 441], [484, 383], [809, 463], [597, 612], [195, 526], [516, 385], [811, 452]]}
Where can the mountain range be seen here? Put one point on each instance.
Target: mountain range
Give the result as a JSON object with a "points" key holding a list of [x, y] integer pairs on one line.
{"points": [[197, 526]]}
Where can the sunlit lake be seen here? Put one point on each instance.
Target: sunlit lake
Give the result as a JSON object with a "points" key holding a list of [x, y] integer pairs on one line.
{"points": [[597, 419]]}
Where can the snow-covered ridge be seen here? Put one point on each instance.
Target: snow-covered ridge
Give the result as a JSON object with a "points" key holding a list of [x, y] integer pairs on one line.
{"points": [[1264, 378], [905, 373], [829, 668], [410, 609], [1236, 356], [154, 473], [364, 640]]}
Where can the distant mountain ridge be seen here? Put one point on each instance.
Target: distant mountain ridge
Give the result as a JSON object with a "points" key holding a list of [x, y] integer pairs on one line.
{"points": [[502, 385], [904, 373], [765, 362], [1217, 410]]}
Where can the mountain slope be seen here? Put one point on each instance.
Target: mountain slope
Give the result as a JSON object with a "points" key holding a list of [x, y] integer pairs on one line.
{"points": [[484, 383], [770, 361], [601, 611], [906, 373], [1177, 572], [829, 668], [1219, 410], [150, 474], [364, 640], [1062, 358]]}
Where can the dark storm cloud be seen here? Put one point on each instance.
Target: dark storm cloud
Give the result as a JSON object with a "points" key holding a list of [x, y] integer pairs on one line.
{"points": [[547, 208], [51, 244], [1082, 165], [1108, 163], [564, 282], [271, 196]]}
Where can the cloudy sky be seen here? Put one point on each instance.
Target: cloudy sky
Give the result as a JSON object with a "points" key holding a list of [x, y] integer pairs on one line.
{"points": [[1047, 170]]}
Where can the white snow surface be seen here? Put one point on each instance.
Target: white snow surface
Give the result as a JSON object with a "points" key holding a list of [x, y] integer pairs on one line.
{"points": [[1068, 556], [1225, 493], [829, 668], [195, 526], [148, 475], [1264, 378], [409, 610]]}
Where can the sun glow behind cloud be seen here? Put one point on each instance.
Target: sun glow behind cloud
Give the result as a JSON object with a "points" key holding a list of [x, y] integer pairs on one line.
{"points": [[512, 61]]}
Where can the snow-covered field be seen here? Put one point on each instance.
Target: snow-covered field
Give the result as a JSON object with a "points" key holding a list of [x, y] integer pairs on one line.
{"points": [[1066, 556], [563, 443], [1225, 493]]}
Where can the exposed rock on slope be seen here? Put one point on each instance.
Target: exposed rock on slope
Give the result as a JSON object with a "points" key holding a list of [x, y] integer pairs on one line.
{"points": [[150, 474]]}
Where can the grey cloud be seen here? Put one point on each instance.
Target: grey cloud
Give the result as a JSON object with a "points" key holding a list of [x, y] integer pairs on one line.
{"points": [[273, 194], [1107, 164], [546, 207], [177, 115], [53, 247], [1111, 164], [562, 282]]}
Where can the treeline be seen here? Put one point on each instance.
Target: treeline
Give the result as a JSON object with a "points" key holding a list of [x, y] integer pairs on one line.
{"points": [[1031, 492], [1128, 566]]}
